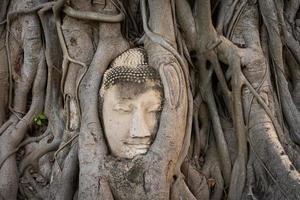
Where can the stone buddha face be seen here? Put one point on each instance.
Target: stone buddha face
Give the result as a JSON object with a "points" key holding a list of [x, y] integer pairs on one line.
{"points": [[132, 100]]}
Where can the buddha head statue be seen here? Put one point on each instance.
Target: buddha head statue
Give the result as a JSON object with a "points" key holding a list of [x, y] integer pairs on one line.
{"points": [[131, 96]]}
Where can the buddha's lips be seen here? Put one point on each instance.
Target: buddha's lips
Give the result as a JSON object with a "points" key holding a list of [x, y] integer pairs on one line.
{"points": [[138, 141], [138, 144]]}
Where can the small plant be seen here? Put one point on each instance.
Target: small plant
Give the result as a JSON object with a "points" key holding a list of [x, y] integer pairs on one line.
{"points": [[41, 119]]}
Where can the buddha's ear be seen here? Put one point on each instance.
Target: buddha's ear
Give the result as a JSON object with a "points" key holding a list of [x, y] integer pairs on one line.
{"points": [[171, 84]]}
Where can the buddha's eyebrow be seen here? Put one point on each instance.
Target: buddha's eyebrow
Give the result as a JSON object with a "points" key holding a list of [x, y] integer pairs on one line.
{"points": [[124, 99]]}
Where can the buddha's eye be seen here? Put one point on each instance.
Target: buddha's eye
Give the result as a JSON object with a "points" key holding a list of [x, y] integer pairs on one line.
{"points": [[154, 108], [123, 108]]}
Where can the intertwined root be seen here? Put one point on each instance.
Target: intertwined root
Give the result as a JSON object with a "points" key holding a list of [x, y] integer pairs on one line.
{"points": [[193, 154]]}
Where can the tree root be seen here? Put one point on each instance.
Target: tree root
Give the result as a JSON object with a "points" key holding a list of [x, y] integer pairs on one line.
{"points": [[92, 147], [180, 190], [17, 133], [24, 143], [183, 69], [66, 144], [212, 172], [69, 176], [290, 111], [38, 153], [207, 95], [94, 16], [187, 23], [5, 126], [10, 17], [195, 181]]}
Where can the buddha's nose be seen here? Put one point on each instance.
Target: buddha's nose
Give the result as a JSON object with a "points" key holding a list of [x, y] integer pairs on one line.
{"points": [[139, 127]]}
